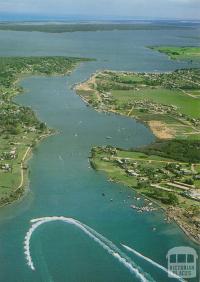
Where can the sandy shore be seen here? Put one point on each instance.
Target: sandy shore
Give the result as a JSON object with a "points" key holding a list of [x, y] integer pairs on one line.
{"points": [[160, 130]]}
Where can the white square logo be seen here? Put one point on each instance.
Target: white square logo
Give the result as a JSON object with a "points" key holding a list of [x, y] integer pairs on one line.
{"points": [[182, 261]]}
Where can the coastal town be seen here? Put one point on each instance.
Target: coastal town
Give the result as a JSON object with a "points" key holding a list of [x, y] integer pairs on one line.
{"points": [[153, 171], [173, 185]]}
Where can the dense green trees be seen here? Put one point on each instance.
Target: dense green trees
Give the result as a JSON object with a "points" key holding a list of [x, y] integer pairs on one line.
{"points": [[165, 197], [181, 150]]}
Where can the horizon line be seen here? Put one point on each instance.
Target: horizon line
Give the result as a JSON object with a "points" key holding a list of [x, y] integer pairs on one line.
{"points": [[95, 20], [25, 17]]}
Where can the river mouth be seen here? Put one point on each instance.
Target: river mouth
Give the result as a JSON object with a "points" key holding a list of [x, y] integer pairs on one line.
{"points": [[62, 183]]}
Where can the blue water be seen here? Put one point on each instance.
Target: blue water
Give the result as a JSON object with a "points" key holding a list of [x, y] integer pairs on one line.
{"points": [[61, 180]]}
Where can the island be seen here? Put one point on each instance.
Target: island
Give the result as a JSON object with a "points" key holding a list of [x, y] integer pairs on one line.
{"points": [[61, 27], [179, 53], [20, 130], [167, 171]]}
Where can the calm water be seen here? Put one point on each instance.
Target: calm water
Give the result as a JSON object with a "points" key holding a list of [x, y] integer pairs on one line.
{"points": [[61, 181]]}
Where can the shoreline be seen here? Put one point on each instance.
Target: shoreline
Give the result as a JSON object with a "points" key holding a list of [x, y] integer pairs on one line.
{"points": [[84, 86], [171, 217], [18, 192]]}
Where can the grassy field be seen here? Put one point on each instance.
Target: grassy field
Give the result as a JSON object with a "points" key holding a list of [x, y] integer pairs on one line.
{"points": [[179, 53], [114, 173], [181, 128], [10, 181], [162, 96]]}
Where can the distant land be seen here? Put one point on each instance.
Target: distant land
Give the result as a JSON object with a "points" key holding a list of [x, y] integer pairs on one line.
{"points": [[60, 27]]}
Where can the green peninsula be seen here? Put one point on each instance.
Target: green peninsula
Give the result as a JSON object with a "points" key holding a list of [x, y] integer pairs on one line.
{"points": [[179, 53], [20, 130], [159, 99]]}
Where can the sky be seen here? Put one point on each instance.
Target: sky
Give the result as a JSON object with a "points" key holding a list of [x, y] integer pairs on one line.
{"points": [[144, 9]]}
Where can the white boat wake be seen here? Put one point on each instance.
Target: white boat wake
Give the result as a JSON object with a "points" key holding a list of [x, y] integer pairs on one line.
{"points": [[106, 244], [153, 263], [98, 238]]}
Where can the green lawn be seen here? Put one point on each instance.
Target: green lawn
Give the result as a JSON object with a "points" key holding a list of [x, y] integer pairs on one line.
{"points": [[139, 155], [180, 53], [9, 181], [115, 173], [186, 104]]}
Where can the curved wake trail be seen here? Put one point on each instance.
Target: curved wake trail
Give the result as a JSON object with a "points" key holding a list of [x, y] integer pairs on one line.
{"points": [[153, 263], [98, 238]]}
